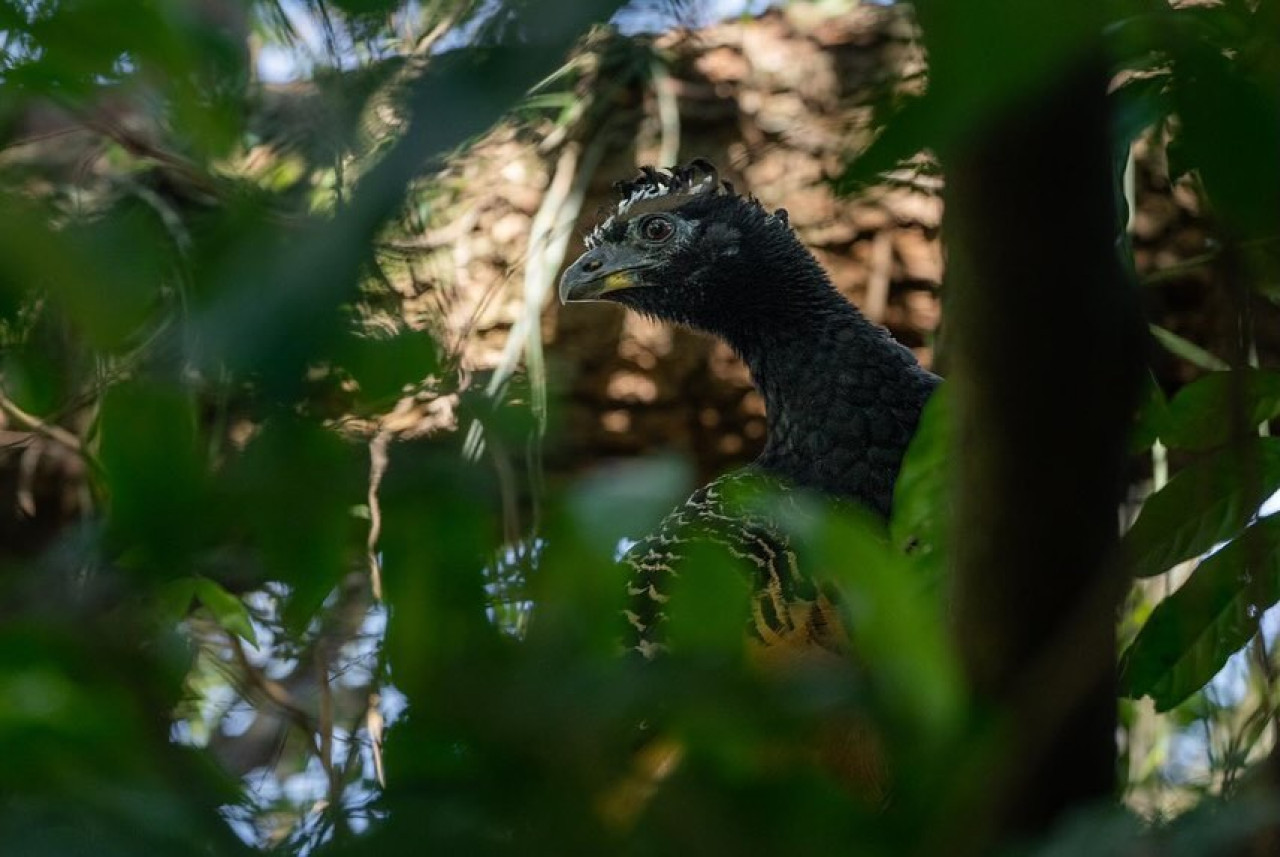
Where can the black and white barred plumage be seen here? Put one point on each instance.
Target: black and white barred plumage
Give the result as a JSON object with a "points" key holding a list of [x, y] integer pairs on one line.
{"points": [[787, 607]]}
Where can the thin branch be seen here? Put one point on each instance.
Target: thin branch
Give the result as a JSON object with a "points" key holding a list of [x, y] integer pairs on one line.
{"points": [[377, 468], [373, 724], [881, 266], [325, 726], [668, 112], [55, 433], [273, 691]]}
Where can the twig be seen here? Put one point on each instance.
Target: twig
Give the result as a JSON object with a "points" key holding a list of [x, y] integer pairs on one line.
{"points": [[333, 774], [429, 39], [274, 692], [53, 432], [1173, 272], [42, 138], [445, 236], [373, 724], [668, 112], [878, 281], [548, 240], [377, 467], [27, 466]]}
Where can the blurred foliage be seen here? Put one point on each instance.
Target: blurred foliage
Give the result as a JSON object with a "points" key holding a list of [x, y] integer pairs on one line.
{"points": [[1189, 79], [262, 627]]}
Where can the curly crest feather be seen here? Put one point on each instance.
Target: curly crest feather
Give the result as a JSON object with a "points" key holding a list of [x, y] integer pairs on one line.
{"points": [[666, 189]]}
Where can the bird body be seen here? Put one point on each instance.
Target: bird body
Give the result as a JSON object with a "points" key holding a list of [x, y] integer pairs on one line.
{"points": [[842, 399]]}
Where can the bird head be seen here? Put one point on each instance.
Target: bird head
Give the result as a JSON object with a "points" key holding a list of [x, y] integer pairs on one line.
{"points": [[680, 245]]}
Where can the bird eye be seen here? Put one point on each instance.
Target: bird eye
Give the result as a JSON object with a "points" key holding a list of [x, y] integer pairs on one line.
{"points": [[656, 229]]}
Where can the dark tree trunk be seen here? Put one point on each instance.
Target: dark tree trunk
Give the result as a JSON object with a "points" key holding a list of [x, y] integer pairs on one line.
{"points": [[1043, 390]]}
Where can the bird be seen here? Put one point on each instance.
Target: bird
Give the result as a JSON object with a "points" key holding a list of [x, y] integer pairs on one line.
{"points": [[842, 397], [842, 402]]}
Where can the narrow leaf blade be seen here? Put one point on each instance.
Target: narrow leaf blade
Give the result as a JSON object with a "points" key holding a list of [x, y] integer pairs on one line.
{"points": [[1187, 350]]}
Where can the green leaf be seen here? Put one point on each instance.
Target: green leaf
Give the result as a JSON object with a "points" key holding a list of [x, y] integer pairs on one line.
{"points": [[111, 303], [627, 500], [902, 634], [921, 498], [172, 601], [910, 127], [385, 366], [900, 637], [1187, 350], [155, 475], [1203, 505], [228, 610], [708, 600], [292, 491], [1201, 416], [1214, 614], [1220, 95]]}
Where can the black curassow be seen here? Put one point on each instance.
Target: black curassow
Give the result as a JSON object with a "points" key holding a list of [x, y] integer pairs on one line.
{"points": [[842, 398]]}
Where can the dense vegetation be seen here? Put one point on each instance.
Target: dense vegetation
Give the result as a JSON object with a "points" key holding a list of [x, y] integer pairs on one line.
{"points": [[260, 586]]}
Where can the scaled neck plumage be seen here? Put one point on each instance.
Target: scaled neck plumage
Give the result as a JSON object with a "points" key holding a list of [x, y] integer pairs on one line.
{"points": [[842, 398]]}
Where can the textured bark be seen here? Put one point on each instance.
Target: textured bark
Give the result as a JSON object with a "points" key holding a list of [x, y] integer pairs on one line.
{"points": [[1043, 394]]}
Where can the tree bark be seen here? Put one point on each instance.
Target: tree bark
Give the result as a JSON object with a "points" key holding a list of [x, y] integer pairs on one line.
{"points": [[1043, 394]]}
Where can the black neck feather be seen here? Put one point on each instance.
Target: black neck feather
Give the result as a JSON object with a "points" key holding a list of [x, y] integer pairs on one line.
{"points": [[842, 398]]}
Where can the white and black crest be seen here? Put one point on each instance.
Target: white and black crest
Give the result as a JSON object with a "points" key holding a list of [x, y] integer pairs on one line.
{"points": [[660, 190]]}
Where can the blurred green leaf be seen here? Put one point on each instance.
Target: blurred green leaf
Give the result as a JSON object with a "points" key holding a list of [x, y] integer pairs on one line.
{"points": [[367, 7], [921, 497], [228, 610], [1205, 413], [627, 500], [439, 531], [292, 491], [552, 100], [1218, 826], [86, 768], [708, 607], [132, 261], [1214, 614], [383, 367], [1212, 827], [1204, 504], [1095, 832], [155, 476], [907, 128], [899, 632], [1222, 93], [38, 372], [173, 600]]}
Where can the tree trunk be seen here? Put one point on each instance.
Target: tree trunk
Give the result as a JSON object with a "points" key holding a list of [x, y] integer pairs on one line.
{"points": [[1043, 393]]}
